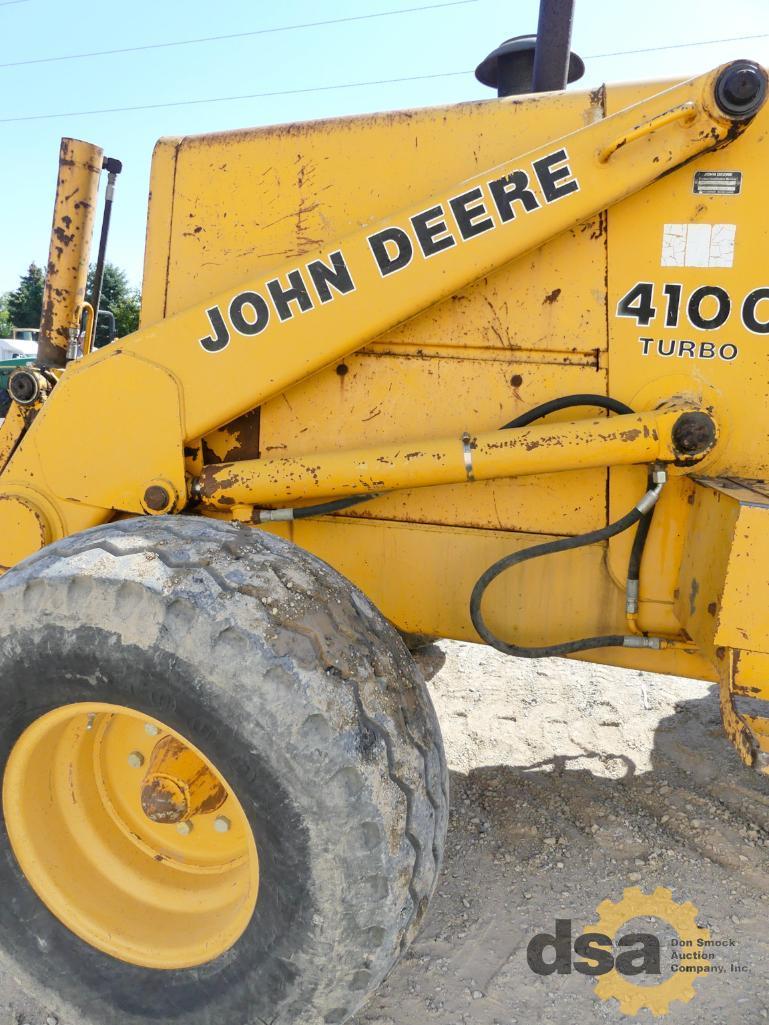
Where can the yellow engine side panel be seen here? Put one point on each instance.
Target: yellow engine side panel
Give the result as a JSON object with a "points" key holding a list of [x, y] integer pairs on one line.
{"points": [[231, 205], [528, 332]]}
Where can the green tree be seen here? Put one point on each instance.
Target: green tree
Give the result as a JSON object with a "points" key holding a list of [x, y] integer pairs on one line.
{"points": [[6, 324], [25, 304], [127, 314], [117, 296]]}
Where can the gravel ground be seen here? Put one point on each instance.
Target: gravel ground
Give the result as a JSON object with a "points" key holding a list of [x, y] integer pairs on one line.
{"points": [[570, 782]]}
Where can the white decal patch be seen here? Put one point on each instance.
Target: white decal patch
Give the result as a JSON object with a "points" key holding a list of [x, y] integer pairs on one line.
{"points": [[698, 245]]}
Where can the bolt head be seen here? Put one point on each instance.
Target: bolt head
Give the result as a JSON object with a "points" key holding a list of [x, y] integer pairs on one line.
{"points": [[157, 498], [136, 759], [184, 828], [222, 824], [151, 729]]}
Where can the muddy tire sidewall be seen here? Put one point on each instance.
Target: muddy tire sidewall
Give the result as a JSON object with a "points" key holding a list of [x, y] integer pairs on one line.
{"points": [[308, 705]]}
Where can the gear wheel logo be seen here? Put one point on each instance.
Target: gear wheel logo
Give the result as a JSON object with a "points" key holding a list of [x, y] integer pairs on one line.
{"points": [[682, 918]]}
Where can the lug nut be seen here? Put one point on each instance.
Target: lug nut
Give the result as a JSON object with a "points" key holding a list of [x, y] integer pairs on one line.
{"points": [[136, 759], [222, 824], [184, 828], [151, 729]]}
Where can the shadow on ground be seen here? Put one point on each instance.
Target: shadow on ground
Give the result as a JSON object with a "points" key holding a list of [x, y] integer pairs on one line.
{"points": [[553, 833]]}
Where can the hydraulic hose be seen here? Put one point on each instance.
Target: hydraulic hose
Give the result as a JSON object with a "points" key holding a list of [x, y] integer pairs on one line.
{"points": [[567, 402], [305, 511], [565, 544], [632, 588], [641, 514]]}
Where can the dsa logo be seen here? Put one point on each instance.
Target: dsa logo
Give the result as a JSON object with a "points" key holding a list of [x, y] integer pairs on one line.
{"points": [[614, 955], [643, 957]]}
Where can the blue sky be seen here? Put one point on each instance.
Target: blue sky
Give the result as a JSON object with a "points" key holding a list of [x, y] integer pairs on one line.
{"points": [[446, 39]]}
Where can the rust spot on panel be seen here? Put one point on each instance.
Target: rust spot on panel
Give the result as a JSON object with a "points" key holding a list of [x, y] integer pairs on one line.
{"points": [[237, 440], [62, 236], [693, 592], [741, 688], [552, 297], [712, 608], [597, 98], [600, 225], [209, 456]]}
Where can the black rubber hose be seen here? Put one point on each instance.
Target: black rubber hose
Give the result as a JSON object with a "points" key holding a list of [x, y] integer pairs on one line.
{"points": [[564, 544], [548, 548], [544, 409], [567, 402], [639, 541], [305, 511]]}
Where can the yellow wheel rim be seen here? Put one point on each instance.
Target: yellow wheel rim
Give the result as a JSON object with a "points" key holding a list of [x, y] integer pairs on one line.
{"points": [[130, 836]]}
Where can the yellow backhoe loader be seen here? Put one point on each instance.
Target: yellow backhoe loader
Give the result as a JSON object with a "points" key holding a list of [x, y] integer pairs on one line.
{"points": [[495, 371]]}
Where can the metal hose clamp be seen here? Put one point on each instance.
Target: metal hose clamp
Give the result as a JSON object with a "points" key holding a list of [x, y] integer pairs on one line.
{"points": [[468, 455]]}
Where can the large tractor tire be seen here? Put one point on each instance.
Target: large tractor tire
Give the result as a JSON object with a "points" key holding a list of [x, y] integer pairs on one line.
{"points": [[224, 790]]}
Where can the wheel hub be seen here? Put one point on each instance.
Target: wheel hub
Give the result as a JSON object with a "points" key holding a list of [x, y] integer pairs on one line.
{"points": [[179, 784], [117, 822]]}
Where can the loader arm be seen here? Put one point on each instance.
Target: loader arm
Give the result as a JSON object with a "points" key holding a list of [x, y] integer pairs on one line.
{"points": [[124, 415]]}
